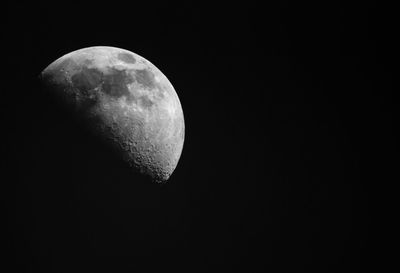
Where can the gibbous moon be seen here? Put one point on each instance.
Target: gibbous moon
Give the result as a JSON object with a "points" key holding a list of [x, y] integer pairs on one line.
{"points": [[125, 100]]}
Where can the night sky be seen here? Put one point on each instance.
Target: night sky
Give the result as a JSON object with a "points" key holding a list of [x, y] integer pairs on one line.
{"points": [[288, 142]]}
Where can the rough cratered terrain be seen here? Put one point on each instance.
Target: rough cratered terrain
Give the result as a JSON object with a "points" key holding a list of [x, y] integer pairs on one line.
{"points": [[125, 100]]}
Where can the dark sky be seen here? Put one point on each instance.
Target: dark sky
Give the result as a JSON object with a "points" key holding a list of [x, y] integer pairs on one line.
{"points": [[288, 113]]}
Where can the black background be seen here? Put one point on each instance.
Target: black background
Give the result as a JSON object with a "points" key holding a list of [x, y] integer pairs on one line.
{"points": [[288, 113]]}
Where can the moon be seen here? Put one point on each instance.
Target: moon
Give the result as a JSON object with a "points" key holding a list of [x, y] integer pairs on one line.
{"points": [[126, 101]]}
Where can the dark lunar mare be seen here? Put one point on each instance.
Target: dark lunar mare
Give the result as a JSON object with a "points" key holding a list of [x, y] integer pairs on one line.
{"points": [[127, 58], [145, 78], [116, 84], [84, 84], [87, 79]]}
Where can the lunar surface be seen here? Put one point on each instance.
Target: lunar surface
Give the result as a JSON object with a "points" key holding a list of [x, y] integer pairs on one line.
{"points": [[125, 100]]}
